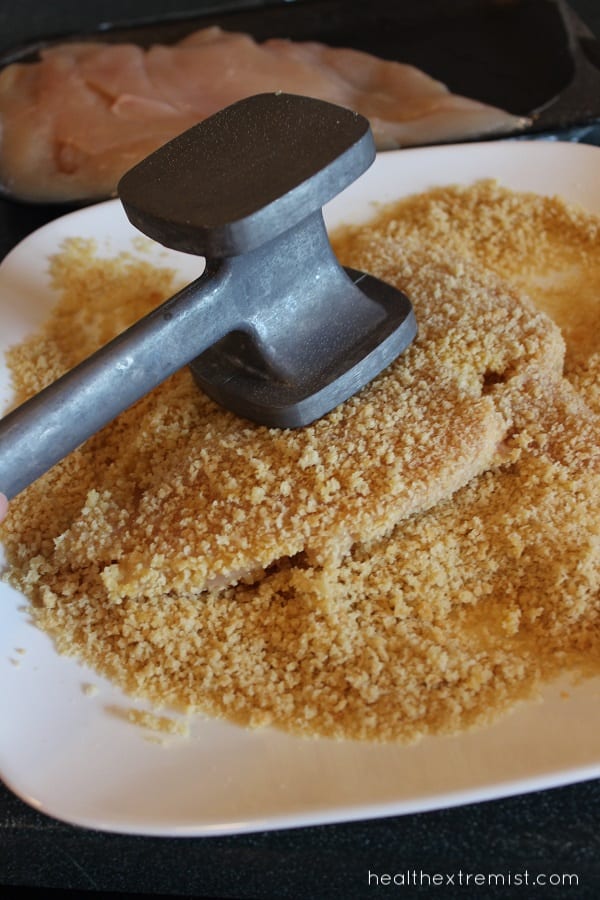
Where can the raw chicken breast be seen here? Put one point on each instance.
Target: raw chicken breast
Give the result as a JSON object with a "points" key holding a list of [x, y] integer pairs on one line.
{"points": [[74, 122]]}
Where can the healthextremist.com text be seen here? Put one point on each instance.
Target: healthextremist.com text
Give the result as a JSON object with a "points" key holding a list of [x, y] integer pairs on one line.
{"points": [[461, 878]]}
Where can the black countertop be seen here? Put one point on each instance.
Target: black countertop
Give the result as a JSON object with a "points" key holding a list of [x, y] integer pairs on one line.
{"points": [[548, 833]]}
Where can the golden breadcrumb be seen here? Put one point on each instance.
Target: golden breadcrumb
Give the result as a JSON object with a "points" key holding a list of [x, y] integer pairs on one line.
{"points": [[414, 563], [153, 721], [163, 724]]}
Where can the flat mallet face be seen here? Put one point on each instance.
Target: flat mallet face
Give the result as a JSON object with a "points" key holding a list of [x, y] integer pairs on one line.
{"points": [[274, 329]]}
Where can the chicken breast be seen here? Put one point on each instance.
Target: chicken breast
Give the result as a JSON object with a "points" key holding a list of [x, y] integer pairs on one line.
{"points": [[181, 495], [74, 122]]}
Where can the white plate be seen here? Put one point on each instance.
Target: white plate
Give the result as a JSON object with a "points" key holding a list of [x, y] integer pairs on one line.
{"points": [[68, 754]]}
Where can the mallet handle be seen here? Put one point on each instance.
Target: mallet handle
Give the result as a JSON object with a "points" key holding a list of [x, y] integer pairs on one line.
{"points": [[46, 428]]}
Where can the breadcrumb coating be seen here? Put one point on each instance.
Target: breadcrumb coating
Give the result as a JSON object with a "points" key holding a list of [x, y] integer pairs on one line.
{"points": [[182, 495], [415, 563], [543, 246]]}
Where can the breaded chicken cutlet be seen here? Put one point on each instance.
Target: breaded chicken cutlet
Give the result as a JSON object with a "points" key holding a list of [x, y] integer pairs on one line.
{"points": [[426, 610], [186, 497]]}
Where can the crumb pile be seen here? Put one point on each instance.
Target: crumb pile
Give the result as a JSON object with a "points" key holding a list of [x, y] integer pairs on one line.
{"points": [[414, 563]]}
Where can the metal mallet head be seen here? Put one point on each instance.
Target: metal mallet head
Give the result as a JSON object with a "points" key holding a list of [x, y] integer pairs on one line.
{"points": [[274, 329]]}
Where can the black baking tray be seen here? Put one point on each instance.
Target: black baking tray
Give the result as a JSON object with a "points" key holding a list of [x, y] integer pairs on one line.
{"points": [[534, 58]]}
